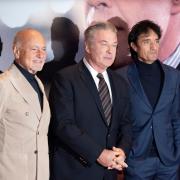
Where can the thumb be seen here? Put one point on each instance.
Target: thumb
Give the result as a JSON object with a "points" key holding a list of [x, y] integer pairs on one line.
{"points": [[116, 149]]}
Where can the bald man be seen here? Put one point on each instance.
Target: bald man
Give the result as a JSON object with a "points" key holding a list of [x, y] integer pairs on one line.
{"points": [[24, 112]]}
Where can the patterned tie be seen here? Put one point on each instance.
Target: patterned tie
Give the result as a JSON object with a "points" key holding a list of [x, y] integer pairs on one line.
{"points": [[105, 97]]}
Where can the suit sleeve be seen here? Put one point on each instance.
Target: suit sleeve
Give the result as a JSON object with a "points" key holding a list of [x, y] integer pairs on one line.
{"points": [[125, 141], [125, 135], [64, 125]]}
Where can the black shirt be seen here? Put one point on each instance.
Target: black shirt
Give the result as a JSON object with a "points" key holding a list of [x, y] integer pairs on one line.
{"points": [[152, 78], [31, 79]]}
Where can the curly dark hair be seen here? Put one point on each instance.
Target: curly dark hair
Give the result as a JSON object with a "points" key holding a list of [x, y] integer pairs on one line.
{"points": [[141, 27]]}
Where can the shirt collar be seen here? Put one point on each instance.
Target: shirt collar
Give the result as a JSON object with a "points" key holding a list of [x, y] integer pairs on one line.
{"points": [[92, 70], [29, 76]]}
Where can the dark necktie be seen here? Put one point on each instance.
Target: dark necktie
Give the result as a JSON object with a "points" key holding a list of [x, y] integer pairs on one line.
{"points": [[105, 97]]}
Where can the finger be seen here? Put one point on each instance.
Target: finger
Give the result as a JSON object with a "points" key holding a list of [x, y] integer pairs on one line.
{"points": [[123, 164], [113, 164], [116, 154], [116, 149], [120, 151], [120, 161], [118, 167]]}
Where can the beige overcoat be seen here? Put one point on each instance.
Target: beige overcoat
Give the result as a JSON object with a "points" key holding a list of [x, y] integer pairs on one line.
{"points": [[23, 129]]}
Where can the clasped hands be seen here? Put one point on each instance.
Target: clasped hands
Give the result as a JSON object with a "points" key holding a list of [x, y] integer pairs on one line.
{"points": [[113, 159]]}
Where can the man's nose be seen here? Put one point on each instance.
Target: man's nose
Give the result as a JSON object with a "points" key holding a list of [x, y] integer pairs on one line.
{"points": [[153, 45], [109, 49], [41, 53]]}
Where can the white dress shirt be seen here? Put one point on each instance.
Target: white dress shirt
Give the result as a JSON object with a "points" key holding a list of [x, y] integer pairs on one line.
{"points": [[94, 74]]}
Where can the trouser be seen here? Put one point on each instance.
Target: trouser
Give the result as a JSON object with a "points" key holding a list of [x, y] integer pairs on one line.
{"points": [[150, 168]]}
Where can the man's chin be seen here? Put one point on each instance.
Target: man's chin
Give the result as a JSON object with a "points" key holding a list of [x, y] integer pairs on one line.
{"points": [[35, 70], [154, 59]]}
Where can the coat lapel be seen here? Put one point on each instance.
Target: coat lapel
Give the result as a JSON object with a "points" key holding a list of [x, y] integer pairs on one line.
{"points": [[134, 80], [45, 113], [24, 88], [114, 95], [91, 86], [166, 85], [42, 90]]}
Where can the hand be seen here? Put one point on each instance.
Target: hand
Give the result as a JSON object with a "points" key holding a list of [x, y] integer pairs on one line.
{"points": [[106, 158], [121, 152], [119, 163]]}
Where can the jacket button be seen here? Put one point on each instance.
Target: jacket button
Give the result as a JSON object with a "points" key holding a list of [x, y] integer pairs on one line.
{"points": [[35, 152], [26, 113]]}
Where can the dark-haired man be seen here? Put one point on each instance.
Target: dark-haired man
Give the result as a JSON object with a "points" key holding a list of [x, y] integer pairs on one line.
{"points": [[155, 95]]}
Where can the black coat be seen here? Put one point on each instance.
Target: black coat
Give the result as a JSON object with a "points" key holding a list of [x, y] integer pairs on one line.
{"points": [[78, 131]]}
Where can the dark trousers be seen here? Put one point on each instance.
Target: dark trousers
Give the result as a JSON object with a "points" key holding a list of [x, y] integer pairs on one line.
{"points": [[150, 168]]}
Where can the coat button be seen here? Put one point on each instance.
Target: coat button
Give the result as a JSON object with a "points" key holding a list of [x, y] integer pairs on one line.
{"points": [[35, 152], [26, 113]]}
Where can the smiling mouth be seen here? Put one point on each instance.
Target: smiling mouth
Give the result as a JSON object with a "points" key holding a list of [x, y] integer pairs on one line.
{"points": [[38, 61], [109, 58], [154, 53]]}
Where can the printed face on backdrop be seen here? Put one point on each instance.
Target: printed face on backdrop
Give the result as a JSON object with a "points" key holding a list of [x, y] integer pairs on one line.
{"points": [[125, 13]]}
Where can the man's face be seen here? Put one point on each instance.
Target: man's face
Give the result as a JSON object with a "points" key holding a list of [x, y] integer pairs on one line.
{"points": [[147, 47], [126, 13], [32, 53], [101, 49]]}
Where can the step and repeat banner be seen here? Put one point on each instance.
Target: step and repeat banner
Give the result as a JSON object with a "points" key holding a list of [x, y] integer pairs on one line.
{"points": [[63, 22]]}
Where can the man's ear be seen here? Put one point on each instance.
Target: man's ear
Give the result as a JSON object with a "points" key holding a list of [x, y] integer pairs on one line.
{"points": [[16, 52], [175, 8], [86, 47], [133, 46]]}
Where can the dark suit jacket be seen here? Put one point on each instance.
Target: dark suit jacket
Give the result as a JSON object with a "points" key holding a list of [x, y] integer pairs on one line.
{"points": [[163, 121], [79, 131]]}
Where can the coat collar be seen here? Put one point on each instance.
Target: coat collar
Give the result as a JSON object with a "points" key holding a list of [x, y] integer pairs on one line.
{"points": [[25, 89]]}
